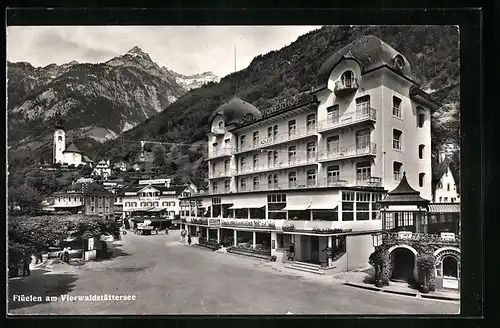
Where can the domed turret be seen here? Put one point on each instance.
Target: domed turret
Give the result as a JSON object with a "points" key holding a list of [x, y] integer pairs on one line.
{"points": [[369, 52], [236, 111]]}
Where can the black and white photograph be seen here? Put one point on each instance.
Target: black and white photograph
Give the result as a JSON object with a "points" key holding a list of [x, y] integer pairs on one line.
{"points": [[233, 170]]}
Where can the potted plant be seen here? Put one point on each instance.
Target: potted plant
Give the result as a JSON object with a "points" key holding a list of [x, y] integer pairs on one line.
{"points": [[426, 264]]}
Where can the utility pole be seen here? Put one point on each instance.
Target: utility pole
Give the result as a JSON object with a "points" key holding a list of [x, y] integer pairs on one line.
{"points": [[84, 192], [235, 58]]}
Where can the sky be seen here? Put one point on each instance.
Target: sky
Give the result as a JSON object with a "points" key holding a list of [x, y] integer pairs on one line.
{"points": [[184, 49]]}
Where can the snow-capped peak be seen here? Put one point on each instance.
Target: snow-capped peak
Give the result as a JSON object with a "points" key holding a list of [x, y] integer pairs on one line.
{"points": [[136, 51]]}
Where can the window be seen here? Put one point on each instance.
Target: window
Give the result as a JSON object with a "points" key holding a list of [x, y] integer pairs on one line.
{"points": [[243, 183], [272, 131], [226, 141], [446, 199], [311, 122], [347, 206], [227, 185], [226, 166], [127, 204], [59, 138], [214, 186], [362, 206], [292, 179], [256, 161], [333, 173], [399, 62], [221, 124], [214, 166], [421, 179], [363, 171], [272, 181], [396, 139], [453, 199], [363, 104], [421, 120], [276, 202], [363, 139], [311, 149], [292, 154], [397, 171], [156, 204], [448, 187], [376, 197], [270, 161], [332, 144], [311, 177], [440, 185], [448, 268], [243, 141], [404, 219], [347, 79], [396, 107], [243, 163], [256, 183], [421, 151], [292, 127], [333, 114], [255, 138], [440, 199], [215, 144]]}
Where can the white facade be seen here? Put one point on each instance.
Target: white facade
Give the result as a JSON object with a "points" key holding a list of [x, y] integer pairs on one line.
{"points": [[446, 189], [103, 169], [72, 158], [358, 139], [59, 145]]}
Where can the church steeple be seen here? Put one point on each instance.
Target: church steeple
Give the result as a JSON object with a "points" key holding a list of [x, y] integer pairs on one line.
{"points": [[59, 123]]}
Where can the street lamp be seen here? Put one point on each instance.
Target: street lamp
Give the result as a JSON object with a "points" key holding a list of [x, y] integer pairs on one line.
{"points": [[377, 239]]}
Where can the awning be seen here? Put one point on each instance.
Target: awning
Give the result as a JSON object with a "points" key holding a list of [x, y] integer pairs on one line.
{"points": [[332, 207], [141, 209], [297, 207], [245, 203], [157, 209], [444, 208], [67, 206]]}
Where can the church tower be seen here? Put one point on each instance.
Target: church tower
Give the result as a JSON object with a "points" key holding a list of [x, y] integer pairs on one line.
{"points": [[59, 143]]}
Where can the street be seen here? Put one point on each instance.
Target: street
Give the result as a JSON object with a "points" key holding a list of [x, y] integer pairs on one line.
{"points": [[167, 277]]}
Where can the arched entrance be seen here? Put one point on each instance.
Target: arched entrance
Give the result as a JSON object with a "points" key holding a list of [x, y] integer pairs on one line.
{"points": [[403, 264], [450, 267]]}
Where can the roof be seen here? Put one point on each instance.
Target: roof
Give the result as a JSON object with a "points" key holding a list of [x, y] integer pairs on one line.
{"points": [[416, 92], [136, 188], [438, 169], [86, 159], [369, 52], [403, 194], [102, 162], [90, 188], [72, 149], [444, 208], [235, 110]]}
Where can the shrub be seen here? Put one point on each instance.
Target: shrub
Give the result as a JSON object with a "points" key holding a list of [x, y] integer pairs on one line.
{"points": [[380, 260], [426, 264]]}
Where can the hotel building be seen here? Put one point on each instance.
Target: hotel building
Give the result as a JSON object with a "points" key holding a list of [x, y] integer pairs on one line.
{"points": [[310, 170]]}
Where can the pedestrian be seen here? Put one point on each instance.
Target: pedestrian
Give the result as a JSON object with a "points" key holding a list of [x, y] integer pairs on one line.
{"points": [[166, 230], [189, 239], [291, 252], [39, 258], [66, 255], [26, 266]]}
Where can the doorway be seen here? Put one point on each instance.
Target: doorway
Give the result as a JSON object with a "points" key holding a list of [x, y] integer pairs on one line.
{"points": [[403, 263]]}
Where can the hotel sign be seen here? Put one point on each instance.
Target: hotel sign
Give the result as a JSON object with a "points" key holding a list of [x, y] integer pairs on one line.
{"points": [[287, 103], [450, 283], [266, 141]]}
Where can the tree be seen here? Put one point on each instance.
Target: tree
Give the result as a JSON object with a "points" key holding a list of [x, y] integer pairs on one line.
{"points": [[159, 155], [24, 196]]}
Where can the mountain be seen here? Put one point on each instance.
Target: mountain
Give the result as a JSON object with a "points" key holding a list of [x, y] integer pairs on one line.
{"points": [[433, 52], [96, 101], [194, 81]]}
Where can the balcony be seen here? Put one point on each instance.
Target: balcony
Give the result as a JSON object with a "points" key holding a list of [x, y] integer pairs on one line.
{"points": [[369, 182], [347, 152], [292, 162], [218, 131], [359, 116], [215, 175], [224, 152], [445, 239], [345, 87], [294, 185], [291, 135]]}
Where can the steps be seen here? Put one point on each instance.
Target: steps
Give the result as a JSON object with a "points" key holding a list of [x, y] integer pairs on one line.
{"points": [[249, 254], [305, 267], [205, 246]]}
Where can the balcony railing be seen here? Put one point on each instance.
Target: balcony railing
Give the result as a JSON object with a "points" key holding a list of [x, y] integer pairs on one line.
{"points": [[218, 131], [348, 152], [369, 182], [360, 115], [440, 239], [345, 86], [291, 135], [220, 153], [223, 174], [291, 162]]}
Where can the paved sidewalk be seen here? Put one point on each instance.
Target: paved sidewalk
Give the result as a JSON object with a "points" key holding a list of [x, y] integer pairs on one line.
{"points": [[360, 279]]}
